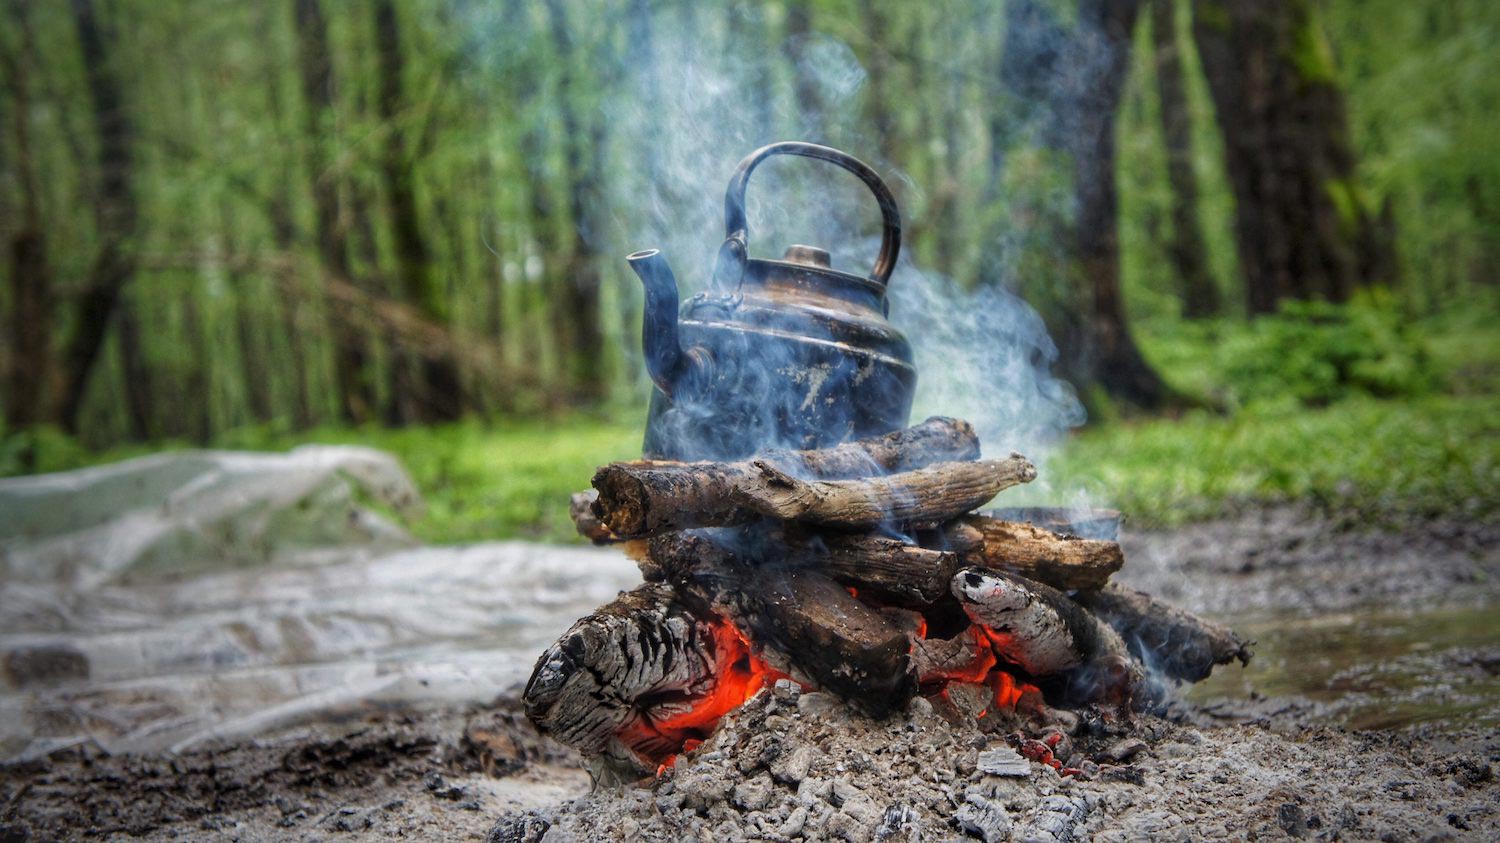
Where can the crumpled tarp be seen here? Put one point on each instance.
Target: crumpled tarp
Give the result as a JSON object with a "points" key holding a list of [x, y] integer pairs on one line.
{"points": [[162, 602]]}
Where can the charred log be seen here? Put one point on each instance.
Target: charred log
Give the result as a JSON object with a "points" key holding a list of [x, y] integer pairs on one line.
{"points": [[1168, 639], [581, 509], [1038, 629], [646, 498]]}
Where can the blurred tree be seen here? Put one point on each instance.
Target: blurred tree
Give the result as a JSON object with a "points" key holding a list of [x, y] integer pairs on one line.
{"points": [[1304, 227], [356, 392], [438, 395], [116, 213], [1184, 247], [32, 282]]}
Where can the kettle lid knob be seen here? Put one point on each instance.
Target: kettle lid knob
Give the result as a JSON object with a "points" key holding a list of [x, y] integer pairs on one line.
{"points": [[808, 256]]}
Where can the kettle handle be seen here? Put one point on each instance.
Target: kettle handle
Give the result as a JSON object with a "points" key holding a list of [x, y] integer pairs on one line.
{"points": [[735, 251]]}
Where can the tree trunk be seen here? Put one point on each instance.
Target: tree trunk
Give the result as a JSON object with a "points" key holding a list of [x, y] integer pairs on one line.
{"points": [[576, 313], [115, 211], [31, 273], [798, 29], [1303, 226], [439, 390], [356, 394], [1200, 298], [1105, 353]]}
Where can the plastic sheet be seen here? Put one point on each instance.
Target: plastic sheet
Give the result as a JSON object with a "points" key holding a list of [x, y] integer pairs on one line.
{"points": [[181, 598]]}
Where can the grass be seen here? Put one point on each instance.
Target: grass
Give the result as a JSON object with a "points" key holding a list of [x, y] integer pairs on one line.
{"points": [[1435, 452]]}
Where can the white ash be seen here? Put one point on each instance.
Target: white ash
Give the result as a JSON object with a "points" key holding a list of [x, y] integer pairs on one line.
{"points": [[814, 770]]}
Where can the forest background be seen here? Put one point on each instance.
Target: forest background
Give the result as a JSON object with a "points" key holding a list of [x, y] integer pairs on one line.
{"points": [[1264, 235]]}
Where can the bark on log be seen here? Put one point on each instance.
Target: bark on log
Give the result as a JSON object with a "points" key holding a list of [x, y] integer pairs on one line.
{"points": [[642, 499], [1063, 562], [1168, 639], [888, 569], [634, 663], [938, 439]]}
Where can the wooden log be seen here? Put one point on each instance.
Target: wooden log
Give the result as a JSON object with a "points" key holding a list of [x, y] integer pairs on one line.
{"points": [[643, 499], [1038, 629], [588, 525], [938, 439], [618, 673], [799, 619], [1061, 561], [1174, 642], [889, 570]]}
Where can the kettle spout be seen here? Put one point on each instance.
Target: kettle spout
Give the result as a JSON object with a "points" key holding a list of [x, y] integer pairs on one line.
{"points": [[664, 356]]}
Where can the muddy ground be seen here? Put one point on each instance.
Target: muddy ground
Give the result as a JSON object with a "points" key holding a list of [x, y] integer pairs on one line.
{"points": [[810, 769]]}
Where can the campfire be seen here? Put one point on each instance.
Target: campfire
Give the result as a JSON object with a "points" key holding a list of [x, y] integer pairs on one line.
{"points": [[860, 570], [855, 565]]}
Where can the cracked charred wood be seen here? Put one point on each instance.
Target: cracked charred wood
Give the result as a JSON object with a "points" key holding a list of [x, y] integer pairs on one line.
{"points": [[588, 525], [643, 499], [1061, 561], [1170, 640], [801, 620], [613, 684], [1038, 629]]}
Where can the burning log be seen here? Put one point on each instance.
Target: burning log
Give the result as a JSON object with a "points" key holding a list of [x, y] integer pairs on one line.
{"points": [[801, 620], [635, 680], [1061, 561], [1038, 629], [646, 498], [1177, 643]]}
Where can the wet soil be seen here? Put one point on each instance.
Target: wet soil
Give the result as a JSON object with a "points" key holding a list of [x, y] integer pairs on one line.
{"points": [[1253, 755]]}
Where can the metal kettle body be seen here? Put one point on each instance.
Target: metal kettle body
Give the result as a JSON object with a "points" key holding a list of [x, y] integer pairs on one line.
{"points": [[776, 353]]}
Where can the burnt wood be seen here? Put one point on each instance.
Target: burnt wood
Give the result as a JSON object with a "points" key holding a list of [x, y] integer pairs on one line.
{"points": [[1175, 642], [644, 498]]}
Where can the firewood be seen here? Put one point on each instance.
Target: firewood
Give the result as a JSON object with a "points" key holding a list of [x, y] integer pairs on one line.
{"points": [[606, 686], [805, 622], [581, 508], [1061, 561], [888, 569], [938, 439], [1170, 640], [1038, 629], [642, 499]]}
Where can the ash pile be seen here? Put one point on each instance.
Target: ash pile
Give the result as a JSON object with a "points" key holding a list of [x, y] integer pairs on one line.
{"points": [[857, 573]]}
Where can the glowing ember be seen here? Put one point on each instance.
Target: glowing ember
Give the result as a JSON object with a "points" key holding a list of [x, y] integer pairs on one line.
{"points": [[984, 668], [740, 676]]}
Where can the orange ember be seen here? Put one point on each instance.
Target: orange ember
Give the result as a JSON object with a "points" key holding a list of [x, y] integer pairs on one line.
{"points": [[985, 669], [742, 674]]}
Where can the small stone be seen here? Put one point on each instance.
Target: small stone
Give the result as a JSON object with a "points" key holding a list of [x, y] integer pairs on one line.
{"points": [[844, 790], [821, 704], [754, 794], [1125, 750], [813, 791], [1003, 761], [983, 819], [786, 690], [791, 767]]}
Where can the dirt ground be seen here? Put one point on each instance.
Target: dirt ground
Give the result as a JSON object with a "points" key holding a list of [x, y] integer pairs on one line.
{"points": [[808, 768]]}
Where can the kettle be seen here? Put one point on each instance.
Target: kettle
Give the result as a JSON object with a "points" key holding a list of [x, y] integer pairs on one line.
{"points": [[788, 353]]}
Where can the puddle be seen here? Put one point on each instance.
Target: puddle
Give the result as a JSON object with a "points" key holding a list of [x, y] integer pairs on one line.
{"points": [[1372, 668]]}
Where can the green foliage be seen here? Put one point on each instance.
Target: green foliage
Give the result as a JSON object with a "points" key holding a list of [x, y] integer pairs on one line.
{"points": [[1310, 353], [1437, 455]]}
